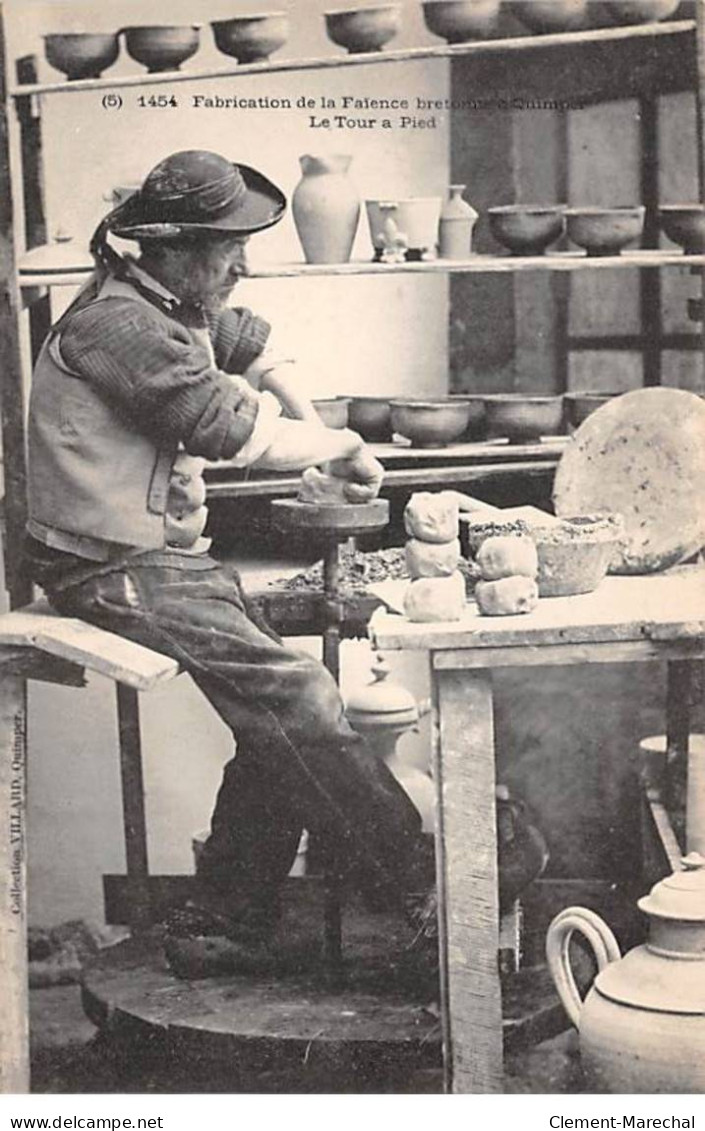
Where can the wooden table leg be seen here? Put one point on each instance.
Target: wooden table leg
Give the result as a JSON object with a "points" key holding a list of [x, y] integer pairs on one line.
{"points": [[467, 877], [14, 1029]]}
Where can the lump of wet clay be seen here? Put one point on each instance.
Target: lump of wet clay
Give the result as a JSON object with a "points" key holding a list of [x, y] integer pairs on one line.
{"points": [[507, 596], [435, 598], [431, 559], [432, 516], [317, 487], [507, 556]]}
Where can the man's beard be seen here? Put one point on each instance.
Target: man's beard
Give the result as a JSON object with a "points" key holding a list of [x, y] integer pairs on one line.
{"points": [[198, 310]]}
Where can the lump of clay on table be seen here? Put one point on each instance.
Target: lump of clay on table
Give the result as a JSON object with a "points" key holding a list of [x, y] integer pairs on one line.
{"points": [[507, 596], [432, 516], [317, 487], [431, 559], [507, 556], [435, 598]]}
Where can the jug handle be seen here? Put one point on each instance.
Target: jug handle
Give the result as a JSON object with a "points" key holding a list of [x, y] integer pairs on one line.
{"points": [[603, 943]]}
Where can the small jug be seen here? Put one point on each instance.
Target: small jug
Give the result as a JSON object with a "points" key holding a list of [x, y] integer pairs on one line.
{"points": [[642, 1024], [458, 218]]}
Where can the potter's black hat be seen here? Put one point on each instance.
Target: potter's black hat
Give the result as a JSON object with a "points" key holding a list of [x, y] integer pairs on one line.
{"points": [[197, 192]]}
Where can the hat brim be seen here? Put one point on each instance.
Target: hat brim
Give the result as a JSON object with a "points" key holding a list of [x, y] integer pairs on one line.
{"points": [[262, 206]]}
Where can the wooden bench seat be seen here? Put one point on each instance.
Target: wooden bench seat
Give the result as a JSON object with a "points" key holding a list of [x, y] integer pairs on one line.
{"points": [[38, 643], [38, 626]]}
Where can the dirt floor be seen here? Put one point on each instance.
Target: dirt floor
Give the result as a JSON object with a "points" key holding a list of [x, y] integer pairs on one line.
{"points": [[69, 1057]]}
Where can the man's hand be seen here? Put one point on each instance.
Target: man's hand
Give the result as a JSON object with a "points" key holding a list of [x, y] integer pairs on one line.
{"points": [[363, 475]]}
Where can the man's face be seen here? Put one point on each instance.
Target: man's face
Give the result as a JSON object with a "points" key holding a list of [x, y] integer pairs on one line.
{"points": [[211, 269]]}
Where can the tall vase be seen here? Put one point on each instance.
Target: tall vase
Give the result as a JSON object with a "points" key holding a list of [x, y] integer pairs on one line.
{"points": [[326, 209], [457, 222]]}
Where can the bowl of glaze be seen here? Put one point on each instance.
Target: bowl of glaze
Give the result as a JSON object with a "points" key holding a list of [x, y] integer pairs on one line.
{"points": [[430, 423], [251, 39], [605, 231], [575, 556], [523, 419], [546, 16], [162, 47], [457, 21], [371, 417], [580, 405], [333, 411], [527, 229], [363, 29], [685, 225], [641, 11], [81, 55], [477, 417]]}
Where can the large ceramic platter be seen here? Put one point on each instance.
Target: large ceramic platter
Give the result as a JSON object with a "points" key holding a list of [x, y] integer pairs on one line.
{"points": [[641, 455]]}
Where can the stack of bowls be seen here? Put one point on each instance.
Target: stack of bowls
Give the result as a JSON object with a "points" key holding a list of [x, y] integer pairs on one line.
{"points": [[430, 423], [333, 411], [605, 231], [360, 30], [162, 47], [458, 21], [81, 55], [523, 419], [371, 417], [527, 229], [251, 39]]}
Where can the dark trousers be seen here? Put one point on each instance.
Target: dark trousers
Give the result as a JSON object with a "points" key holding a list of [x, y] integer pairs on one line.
{"points": [[298, 763]]}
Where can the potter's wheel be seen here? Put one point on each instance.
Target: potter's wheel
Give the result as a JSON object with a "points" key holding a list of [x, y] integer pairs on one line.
{"points": [[641, 455]]}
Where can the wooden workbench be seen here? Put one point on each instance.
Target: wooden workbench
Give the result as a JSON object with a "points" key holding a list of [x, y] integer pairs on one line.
{"points": [[628, 619]]}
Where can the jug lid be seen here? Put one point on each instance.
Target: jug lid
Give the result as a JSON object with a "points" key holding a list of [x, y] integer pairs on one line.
{"points": [[680, 895], [388, 702]]}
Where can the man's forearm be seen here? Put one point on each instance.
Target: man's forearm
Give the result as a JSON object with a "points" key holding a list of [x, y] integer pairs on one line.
{"points": [[298, 444]]}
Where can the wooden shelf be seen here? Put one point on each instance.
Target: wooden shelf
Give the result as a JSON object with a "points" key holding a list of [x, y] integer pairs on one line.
{"points": [[663, 43], [475, 265], [425, 467]]}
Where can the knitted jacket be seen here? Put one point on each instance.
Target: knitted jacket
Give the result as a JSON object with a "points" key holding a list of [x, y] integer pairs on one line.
{"points": [[121, 391]]}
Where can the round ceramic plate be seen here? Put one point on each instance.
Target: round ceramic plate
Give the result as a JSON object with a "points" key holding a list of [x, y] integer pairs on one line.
{"points": [[641, 455]]}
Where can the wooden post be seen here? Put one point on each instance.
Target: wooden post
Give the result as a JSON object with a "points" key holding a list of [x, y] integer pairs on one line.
{"points": [[134, 822], [700, 125], [679, 680], [11, 385], [14, 1027], [33, 193], [468, 897], [650, 278]]}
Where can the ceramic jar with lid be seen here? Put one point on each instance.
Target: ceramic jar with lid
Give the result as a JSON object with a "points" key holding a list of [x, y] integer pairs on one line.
{"points": [[383, 711], [642, 1025]]}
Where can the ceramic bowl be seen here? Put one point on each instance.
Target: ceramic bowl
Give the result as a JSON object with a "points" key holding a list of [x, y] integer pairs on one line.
{"points": [[523, 419], [333, 411], [81, 55], [251, 39], [363, 29], [456, 21], [641, 11], [527, 229], [162, 48], [371, 417], [575, 557], [548, 16], [416, 217], [432, 423], [580, 405], [685, 225], [477, 415], [604, 231]]}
